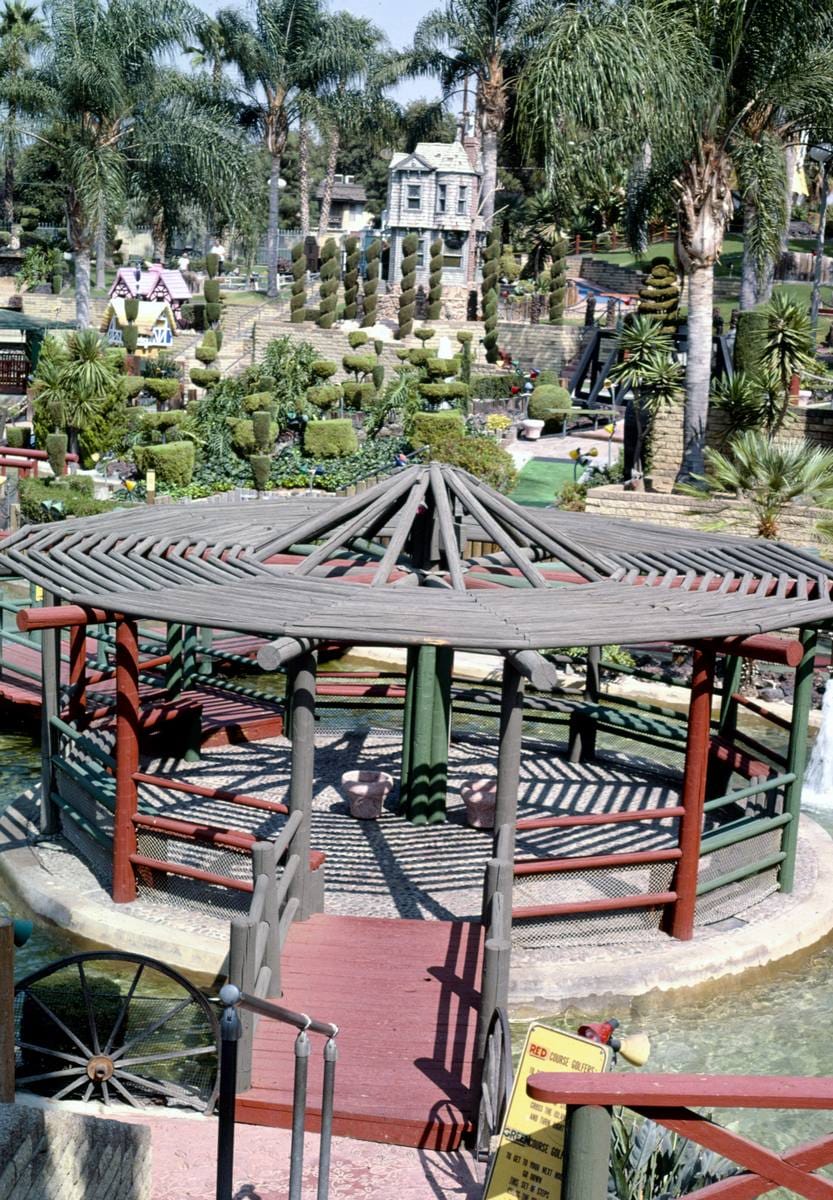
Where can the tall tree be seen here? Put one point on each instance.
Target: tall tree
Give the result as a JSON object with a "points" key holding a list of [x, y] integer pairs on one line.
{"points": [[273, 56], [21, 34], [692, 78]]}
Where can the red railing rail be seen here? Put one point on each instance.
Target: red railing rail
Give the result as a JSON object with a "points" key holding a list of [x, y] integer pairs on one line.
{"points": [[670, 1100]]}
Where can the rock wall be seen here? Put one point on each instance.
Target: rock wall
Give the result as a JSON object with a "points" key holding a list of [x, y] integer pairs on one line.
{"points": [[51, 1155], [547, 347]]}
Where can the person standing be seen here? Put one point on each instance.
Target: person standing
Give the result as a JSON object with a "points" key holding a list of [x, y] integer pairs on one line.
{"points": [[219, 249]]}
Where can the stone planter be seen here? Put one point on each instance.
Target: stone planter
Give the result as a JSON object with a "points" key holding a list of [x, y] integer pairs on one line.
{"points": [[532, 429], [366, 791], [479, 798]]}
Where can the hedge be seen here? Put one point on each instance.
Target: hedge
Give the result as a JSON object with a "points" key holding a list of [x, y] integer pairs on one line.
{"points": [[428, 427], [330, 439], [17, 436], [356, 395], [173, 462], [43, 501], [492, 387]]}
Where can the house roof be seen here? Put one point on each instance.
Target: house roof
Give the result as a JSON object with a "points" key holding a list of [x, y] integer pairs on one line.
{"points": [[150, 313], [436, 156], [174, 282], [353, 193]]}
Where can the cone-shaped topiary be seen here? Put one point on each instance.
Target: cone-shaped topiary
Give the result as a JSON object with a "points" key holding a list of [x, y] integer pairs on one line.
{"points": [[213, 312], [329, 284], [130, 338], [464, 337], [659, 296], [212, 265], [351, 279], [261, 465], [407, 296], [558, 279], [56, 452], [261, 427], [435, 281], [371, 283], [489, 289], [298, 299], [131, 309], [211, 291]]}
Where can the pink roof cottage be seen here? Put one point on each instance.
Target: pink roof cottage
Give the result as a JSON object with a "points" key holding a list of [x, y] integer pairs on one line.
{"points": [[157, 283]]}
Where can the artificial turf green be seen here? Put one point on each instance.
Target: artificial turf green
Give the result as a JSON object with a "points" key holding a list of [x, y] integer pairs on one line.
{"points": [[539, 481]]}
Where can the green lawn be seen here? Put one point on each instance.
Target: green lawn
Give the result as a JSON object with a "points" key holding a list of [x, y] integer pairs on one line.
{"points": [[539, 481]]}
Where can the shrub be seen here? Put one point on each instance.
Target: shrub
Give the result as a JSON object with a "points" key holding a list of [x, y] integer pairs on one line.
{"points": [[161, 366], [435, 280], [547, 376], [424, 334], [480, 455], [162, 390], [357, 338], [325, 395], [212, 265], [261, 428], [322, 368], [213, 312], [489, 289], [407, 295], [751, 334], [204, 377], [455, 390], [351, 279], [428, 427], [558, 276], [211, 291], [356, 395], [548, 403], [46, 500], [359, 364], [56, 449], [261, 469], [173, 462], [441, 368], [371, 283], [330, 439], [659, 296], [258, 402], [328, 290], [492, 387], [298, 299], [57, 284], [17, 436], [5, 237], [130, 338], [208, 349], [133, 385], [131, 309], [378, 376], [464, 337]]}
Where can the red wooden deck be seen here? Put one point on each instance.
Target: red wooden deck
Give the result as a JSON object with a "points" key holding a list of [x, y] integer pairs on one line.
{"points": [[404, 994]]}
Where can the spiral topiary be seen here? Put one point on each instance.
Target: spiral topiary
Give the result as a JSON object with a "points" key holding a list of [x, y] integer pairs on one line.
{"points": [[328, 274], [464, 337], [659, 296], [558, 279], [489, 289], [298, 299], [407, 296], [435, 281], [371, 283], [351, 279]]}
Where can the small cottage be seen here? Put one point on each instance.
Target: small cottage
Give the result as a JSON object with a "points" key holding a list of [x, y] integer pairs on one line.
{"points": [[157, 284], [348, 206], [434, 192], [156, 324]]}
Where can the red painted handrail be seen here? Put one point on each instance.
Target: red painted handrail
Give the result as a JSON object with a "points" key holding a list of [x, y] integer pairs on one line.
{"points": [[40, 455], [589, 862], [607, 904], [214, 835], [643, 814], [169, 868], [197, 789]]}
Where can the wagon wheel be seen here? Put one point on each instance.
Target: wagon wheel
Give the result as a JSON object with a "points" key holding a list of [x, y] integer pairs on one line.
{"points": [[116, 1028], [495, 1083]]}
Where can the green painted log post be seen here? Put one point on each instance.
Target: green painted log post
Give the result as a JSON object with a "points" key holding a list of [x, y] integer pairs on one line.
{"points": [[720, 773], [797, 754], [440, 734], [205, 663], [174, 681], [190, 646], [587, 1153], [101, 660], [50, 707], [423, 720], [411, 664]]}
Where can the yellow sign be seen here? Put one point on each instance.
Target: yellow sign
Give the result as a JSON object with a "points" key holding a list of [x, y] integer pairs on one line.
{"points": [[528, 1161]]}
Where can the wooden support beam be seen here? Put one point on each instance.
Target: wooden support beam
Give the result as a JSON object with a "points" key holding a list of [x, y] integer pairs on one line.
{"points": [[59, 616], [127, 760], [282, 651], [797, 754], [763, 647], [50, 707], [302, 777], [678, 918], [77, 705], [531, 664]]}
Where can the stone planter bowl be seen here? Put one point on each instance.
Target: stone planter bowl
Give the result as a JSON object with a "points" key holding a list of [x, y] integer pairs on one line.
{"points": [[532, 429], [479, 798], [366, 791]]}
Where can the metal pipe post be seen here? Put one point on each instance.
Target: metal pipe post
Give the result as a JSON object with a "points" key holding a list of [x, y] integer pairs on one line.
{"points": [[327, 1097], [127, 759], [797, 755], [230, 1031], [587, 1153], [302, 776], [299, 1113]]}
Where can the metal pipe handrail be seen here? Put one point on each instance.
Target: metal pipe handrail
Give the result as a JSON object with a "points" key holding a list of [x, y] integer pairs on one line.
{"points": [[276, 1012]]}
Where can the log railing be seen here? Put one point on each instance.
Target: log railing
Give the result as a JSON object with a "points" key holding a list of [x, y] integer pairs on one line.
{"points": [[670, 1100]]}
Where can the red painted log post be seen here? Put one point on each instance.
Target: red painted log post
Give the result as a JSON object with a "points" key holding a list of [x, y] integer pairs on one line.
{"points": [[678, 918], [127, 759], [77, 705]]}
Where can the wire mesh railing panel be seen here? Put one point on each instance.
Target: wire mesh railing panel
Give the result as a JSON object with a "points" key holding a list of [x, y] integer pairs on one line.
{"points": [[734, 898]]}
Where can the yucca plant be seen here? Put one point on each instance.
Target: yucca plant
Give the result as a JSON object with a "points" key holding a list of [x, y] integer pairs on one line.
{"points": [[769, 476], [648, 1162], [789, 345], [654, 376], [741, 401]]}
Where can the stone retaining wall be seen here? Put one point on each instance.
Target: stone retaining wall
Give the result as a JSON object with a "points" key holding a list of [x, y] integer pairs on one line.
{"points": [[547, 347], [64, 1156], [728, 516]]}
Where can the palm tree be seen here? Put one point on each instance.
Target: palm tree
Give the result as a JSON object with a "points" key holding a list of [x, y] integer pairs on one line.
{"points": [[692, 79], [484, 40], [73, 379], [651, 371], [212, 49], [112, 105], [273, 56], [21, 33]]}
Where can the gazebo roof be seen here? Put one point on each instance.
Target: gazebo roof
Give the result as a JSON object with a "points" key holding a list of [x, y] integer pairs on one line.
{"points": [[297, 567]]}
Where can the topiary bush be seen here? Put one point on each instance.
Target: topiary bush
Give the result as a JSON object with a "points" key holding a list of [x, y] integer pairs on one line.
{"points": [[131, 308], [261, 428], [261, 468], [323, 368], [351, 279], [213, 312], [359, 364], [173, 462], [130, 338], [371, 282], [428, 427], [424, 334], [357, 338], [659, 296], [435, 281], [330, 439], [558, 280], [329, 284], [211, 291], [57, 284], [378, 376], [212, 265], [325, 396], [162, 390], [204, 377], [258, 402], [751, 333], [455, 392], [208, 349], [489, 290], [17, 436], [56, 450], [357, 395], [549, 403], [298, 299], [407, 295], [480, 455]]}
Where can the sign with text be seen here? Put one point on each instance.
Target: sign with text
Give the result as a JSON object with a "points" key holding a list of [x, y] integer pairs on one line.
{"points": [[527, 1164]]}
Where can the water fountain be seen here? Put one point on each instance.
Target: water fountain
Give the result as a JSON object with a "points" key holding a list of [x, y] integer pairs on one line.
{"points": [[817, 791]]}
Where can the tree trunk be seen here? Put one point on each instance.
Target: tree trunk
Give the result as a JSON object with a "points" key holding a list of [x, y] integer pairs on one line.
{"points": [[303, 175], [272, 231], [9, 173], [159, 236], [100, 253], [488, 181], [82, 287], [748, 271], [698, 367], [329, 180], [639, 173]]}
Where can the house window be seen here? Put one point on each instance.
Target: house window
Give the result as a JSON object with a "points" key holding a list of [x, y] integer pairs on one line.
{"points": [[453, 250], [414, 197], [462, 201], [442, 190]]}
